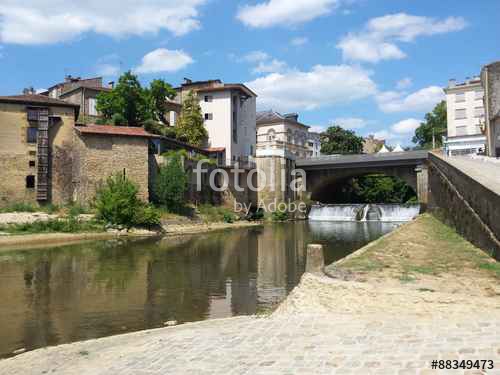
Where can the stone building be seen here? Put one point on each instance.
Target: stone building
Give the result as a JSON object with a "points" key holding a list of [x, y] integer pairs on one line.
{"points": [[82, 92], [101, 151], [371, 145], [36, 135], [45, 157], [281, 135], [490, 78]]}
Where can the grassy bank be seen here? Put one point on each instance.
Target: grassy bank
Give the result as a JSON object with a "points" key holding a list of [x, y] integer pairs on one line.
{"points": [[63, 225], [423, 248]]}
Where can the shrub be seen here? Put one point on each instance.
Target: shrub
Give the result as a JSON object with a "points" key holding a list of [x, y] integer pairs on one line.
{"points": [[171, 184], [117, 204], [216, 214], [279, 215], [118, 119], [228, 218]]}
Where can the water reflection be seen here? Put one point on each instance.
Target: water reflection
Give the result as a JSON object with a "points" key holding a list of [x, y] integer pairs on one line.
{"points": [[55, 295]]}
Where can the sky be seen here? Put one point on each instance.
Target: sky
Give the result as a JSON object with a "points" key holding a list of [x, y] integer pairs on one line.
{"points": [[373, 66]]}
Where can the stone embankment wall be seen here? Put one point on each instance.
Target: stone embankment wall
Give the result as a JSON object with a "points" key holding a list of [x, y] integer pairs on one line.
{"points": [[470, 207]]}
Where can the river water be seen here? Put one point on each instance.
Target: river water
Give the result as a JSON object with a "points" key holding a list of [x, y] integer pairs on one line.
{"points": [[63, 294]]}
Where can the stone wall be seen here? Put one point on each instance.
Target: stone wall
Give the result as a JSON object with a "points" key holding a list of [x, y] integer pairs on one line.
{"points": [[98, 157], [467, 205], [490, 79], [16, 154], [277, 171]]}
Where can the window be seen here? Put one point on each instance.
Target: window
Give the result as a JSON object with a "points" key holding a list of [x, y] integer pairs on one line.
{"points": [[32, 114], [209, 116], [271, 135], [460, 114], [31, 163], [479, 112], [460, 97], [31, 135], [461, 130], [209, 98], [92, 107], [30, 182], [479, 94]]}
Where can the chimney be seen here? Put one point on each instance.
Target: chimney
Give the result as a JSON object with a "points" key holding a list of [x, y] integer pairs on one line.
{"points": [[452, 82], [292, 116], [187, 81], [111, 84], [68, 78], [29, 91]]}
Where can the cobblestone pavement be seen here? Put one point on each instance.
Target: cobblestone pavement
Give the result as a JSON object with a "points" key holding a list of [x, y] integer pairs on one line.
{"points": [[307, 335]]}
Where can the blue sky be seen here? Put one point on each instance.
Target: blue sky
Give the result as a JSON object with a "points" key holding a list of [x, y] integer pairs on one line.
{"points": [[375, 66]]}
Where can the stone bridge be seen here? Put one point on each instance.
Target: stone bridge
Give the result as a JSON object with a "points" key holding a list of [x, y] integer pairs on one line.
{"points": [[324, 173]]}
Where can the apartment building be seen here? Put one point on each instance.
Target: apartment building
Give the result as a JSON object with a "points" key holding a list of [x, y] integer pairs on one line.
{"points": [[282, 135], [466, 117], [314, 144], [229, 110]]}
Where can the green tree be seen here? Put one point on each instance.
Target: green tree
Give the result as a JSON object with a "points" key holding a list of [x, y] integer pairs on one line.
{"points": [[336, 140], [159, 92], [434, 126], [171, 184], [191, 126], [128, 100]]}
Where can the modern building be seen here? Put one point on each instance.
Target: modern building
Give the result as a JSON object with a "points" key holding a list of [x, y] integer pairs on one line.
{"points": [[82, 92], [229, 110], [490, 79], [282, 135], [465, 114]]}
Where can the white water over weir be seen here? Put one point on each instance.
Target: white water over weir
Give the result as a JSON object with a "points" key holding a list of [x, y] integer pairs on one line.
{"points": [[364, 212]]}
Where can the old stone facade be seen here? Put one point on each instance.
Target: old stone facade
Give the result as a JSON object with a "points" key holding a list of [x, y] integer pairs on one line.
{"points": [[490, 79], [98, 156], [19, 162]]}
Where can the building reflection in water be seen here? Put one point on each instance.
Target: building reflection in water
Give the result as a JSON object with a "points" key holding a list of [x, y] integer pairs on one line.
{"points": [[64, 294]]}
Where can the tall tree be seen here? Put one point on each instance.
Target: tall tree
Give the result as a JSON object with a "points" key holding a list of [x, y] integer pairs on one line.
{"points": [[159, 93], [190, 127], [434, 126], [128, 101], [336, 140]]}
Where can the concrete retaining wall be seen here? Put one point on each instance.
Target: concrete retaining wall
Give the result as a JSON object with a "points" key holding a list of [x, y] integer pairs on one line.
{"points": [[467, 205]]}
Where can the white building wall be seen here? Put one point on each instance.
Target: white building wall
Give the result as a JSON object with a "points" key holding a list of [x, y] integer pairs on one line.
{"points": [[219, 127], [246, 141], [473, 107]]}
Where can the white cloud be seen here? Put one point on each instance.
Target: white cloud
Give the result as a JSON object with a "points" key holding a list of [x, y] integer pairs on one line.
{"points": [[299, 41], [404, 83], [284, 12], [323, 86], [164, 60], [377, 41], [419, 101], [365, 48], [270, 66], [407, 126], [255, 56], [48, 21], [351, 122], [384, 135]]}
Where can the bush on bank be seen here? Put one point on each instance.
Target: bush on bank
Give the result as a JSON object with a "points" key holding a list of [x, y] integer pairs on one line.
{"points": [[117, 203]]}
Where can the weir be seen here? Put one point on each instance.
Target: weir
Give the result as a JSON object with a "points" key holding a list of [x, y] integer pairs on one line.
{"points": [[364, 212]]}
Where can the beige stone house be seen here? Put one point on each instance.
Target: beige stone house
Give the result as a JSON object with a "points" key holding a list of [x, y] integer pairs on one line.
{"points": [[45, 157], [36, 135], [281, 135], [83, 92]]}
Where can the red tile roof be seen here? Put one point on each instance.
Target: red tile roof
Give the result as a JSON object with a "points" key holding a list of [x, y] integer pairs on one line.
{"points": [[216, 149], [128, 131], [36, 100]]}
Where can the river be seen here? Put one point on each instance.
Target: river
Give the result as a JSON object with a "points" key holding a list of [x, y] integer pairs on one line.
{"points": [[94, 289]]}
